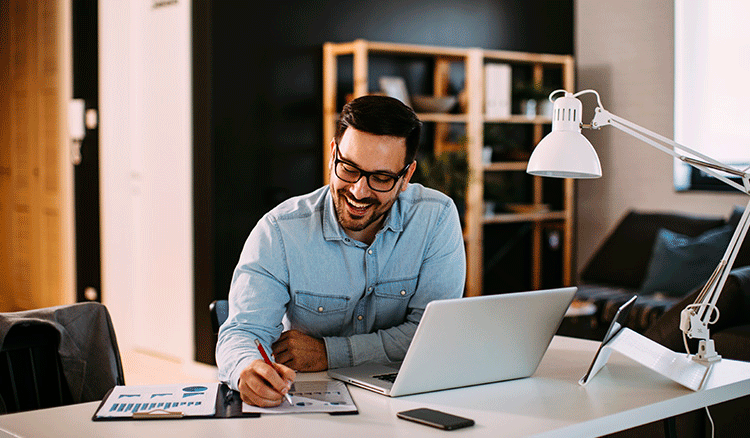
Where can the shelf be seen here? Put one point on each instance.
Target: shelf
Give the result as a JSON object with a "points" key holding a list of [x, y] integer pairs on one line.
{"points": [[519, 119], [443, 118], [464, 118], [505, 166], [476, 122], [508, 218]]}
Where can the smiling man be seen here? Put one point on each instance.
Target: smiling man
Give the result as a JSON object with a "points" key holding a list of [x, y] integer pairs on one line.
{"points": [[341, 276]]}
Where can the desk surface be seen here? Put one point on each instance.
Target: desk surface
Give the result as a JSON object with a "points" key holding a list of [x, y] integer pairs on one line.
{"points": [[550, 403]]}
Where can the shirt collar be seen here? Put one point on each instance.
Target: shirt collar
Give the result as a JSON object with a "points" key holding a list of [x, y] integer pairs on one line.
{"points": [[332, 229]]}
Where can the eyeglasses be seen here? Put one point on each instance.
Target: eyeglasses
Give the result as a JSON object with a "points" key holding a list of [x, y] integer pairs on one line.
{"points": [[378, 181]]}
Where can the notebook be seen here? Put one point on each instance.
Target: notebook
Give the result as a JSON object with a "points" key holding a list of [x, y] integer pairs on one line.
{"points": [[470, 341]]}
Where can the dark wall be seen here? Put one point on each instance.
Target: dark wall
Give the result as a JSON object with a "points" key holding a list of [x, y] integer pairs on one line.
{"points": [[258, 109]]}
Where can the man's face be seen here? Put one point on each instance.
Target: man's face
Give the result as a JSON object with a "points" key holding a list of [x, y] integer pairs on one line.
{"points": [[359, 208]]}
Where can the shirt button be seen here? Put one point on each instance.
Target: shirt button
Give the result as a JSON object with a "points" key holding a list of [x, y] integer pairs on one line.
{"points": [[403, 292], [369, 289], [320, 309], [360, 317], [369, 252]]}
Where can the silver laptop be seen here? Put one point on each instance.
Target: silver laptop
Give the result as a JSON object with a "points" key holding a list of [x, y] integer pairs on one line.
{"points": [[470, 341]]}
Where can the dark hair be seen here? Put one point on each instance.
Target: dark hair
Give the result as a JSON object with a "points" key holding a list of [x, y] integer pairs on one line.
{"points": [[382, 115]]}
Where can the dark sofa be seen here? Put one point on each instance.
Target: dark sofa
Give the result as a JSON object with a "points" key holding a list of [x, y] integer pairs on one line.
{"points": [[625, 262]]}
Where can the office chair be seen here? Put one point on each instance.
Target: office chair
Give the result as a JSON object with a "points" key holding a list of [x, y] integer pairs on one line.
{"points": [[219, 311], [31, 373], [57, 356]]}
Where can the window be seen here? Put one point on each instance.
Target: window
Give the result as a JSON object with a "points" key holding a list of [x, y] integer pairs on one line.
{"points": [[712, 86]]}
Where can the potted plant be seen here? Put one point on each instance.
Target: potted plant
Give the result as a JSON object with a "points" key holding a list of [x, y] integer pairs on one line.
{"points": [[532, 97], [448, 173]]}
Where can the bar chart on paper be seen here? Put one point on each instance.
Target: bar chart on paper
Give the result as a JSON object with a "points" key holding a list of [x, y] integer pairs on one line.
{"points": [[187, 400], [310, 397]]}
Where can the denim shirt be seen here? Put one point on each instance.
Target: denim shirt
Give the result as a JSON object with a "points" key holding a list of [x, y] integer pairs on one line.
{"points": [[299, 270]]}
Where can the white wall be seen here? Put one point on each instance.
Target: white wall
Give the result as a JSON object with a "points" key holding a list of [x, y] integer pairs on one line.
{"points": [[625, 50], [146, 173]]}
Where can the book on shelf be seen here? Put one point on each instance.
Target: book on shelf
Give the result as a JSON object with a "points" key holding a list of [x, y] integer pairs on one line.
{"points": [[498, 87]]}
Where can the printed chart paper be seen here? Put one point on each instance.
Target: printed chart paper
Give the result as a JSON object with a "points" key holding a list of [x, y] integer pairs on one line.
{"points": [[311, 396], [185, 399]]}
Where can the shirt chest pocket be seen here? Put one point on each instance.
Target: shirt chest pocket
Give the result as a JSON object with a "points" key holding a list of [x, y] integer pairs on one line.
{"points": [[392, 302], [319, 315]]}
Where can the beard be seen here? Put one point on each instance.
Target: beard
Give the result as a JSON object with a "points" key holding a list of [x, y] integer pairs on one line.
{"points": [[358, 214]]}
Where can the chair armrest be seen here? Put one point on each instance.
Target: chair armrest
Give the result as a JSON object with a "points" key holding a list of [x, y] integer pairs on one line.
{"points": [[219, 310]]}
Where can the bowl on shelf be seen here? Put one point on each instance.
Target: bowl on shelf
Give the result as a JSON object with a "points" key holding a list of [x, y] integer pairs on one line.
{"points": [[527, 208], [433, 104]]}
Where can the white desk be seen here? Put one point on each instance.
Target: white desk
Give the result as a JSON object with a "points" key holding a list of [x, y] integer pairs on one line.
{"points": [[550, 403]]}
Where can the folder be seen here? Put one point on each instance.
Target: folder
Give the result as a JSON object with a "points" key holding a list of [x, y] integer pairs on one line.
{"points": [[217, 400]]}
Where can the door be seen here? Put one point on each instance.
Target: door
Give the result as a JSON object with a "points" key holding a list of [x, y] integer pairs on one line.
{"points": [[35, 174]]}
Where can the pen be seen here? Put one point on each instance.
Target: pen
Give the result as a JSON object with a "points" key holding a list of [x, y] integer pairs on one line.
{"points": [[268, 361]]}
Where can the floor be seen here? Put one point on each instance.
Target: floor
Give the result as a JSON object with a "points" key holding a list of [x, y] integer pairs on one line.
{"points": [[146, 368]]}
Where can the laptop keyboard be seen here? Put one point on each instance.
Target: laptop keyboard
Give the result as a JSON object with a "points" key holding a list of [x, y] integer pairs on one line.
{"points": [[390, 377]]}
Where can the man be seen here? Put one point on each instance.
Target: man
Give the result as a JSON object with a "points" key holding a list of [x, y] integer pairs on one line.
{"points": [[347, 269]]}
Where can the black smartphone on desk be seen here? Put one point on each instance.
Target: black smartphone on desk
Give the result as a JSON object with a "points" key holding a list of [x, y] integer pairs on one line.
{"points": [[431, 417]]}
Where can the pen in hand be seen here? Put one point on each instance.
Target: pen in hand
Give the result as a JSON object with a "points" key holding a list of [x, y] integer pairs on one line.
{"points": [[267, 360]]}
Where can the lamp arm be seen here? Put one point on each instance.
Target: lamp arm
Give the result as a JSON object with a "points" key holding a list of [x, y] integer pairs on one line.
{"points": [[696, 317], [702, 310], [709, 165]]}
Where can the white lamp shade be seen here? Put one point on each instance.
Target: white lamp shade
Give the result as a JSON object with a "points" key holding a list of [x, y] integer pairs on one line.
{"points": [[565, 154]]}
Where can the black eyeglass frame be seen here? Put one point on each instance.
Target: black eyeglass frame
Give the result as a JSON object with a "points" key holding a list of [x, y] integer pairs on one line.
{"points": [[366, 174]]}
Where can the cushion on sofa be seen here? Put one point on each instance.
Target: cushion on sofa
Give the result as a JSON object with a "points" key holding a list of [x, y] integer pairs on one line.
{"points": [[624, 256], [681, 263], [732, 343]]}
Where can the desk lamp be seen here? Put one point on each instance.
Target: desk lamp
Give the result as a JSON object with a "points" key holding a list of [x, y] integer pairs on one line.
{"points": [[566, 153]]}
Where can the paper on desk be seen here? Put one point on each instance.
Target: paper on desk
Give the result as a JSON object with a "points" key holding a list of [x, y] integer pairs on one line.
{"points": [[675, 366], [186, 399], [310, 397]]}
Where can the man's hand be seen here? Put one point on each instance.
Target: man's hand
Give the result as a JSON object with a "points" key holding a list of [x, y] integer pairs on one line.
{"points": [[265, 385], [301, 352]]}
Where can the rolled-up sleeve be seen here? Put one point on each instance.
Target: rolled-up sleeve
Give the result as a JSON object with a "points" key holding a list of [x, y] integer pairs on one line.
{"points": [[258, 299]]}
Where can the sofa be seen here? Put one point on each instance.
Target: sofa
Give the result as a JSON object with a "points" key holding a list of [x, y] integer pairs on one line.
{"points": [[660, 256]]}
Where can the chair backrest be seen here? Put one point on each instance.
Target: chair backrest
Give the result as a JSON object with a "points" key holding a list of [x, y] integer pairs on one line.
{"points": [[31, 374], [56, 356], [219, 311]]}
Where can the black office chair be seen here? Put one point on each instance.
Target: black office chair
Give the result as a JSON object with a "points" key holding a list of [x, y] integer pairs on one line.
{"points": [[219, 311], [57, 356], [31, 374]]}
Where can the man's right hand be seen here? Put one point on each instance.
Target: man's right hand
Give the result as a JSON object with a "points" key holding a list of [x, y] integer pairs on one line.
{"points": [[264, 385]]}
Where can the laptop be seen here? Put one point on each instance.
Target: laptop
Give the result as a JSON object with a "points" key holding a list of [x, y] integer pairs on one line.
{"points": [[470, 341]]}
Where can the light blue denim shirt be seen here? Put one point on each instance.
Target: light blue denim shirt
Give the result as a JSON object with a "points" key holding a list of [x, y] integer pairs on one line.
{"points": [[299, 270]]}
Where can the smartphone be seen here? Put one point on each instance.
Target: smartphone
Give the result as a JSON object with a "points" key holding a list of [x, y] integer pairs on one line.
{"points": [[434, 418]]}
